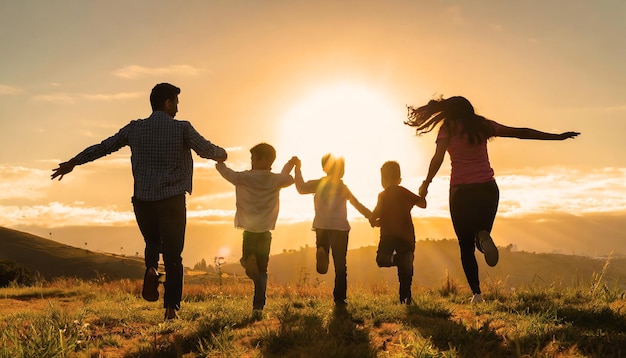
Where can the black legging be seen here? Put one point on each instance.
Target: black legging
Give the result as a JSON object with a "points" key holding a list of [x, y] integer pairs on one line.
{"points": [[473, 208]]}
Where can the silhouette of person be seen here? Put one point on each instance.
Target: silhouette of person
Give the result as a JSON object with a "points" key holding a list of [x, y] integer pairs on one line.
{"points": [[397, 234], [474, 194], [162, 168], [331, 218], [257, 194]]}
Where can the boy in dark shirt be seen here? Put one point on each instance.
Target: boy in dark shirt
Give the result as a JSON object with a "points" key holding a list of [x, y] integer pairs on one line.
{"points": [[397, 234]]}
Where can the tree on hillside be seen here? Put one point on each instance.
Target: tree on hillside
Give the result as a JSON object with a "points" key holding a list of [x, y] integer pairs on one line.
{"points": [[11, 272], [201, 266]]}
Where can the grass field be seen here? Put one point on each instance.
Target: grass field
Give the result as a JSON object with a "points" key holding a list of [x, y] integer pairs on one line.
{"points": [[79, 318]]}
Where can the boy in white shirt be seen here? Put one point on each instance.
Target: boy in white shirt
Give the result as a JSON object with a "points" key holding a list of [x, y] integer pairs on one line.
{"points": [[257, 201]]}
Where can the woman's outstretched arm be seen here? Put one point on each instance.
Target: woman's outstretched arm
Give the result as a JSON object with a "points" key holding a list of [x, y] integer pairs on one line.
{"points": [[435, 164], [529, 133]]}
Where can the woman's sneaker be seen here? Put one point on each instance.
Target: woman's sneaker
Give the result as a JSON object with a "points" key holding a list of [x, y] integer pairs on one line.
{"points": [[487, 246], [477, 298], [321, 256]]}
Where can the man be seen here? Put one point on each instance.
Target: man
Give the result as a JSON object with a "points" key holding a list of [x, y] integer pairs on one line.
{"points": [[162, 169]]}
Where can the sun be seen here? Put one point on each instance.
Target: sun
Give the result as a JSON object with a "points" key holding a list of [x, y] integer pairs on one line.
{"points": [[350, 120]]}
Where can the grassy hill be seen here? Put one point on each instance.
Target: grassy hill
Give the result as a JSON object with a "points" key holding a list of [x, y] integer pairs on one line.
{"points": [[74, 318], [537, 305], [51, 259]]}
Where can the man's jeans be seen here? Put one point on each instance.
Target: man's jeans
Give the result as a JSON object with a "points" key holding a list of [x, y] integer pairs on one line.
{"points": [[162, 224]]}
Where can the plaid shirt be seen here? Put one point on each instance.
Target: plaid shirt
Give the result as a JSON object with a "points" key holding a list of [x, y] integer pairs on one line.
{"points": [[161, 154]]}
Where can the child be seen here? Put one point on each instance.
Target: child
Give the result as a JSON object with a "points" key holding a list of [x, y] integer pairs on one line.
{"points": [[257, 200], [331, 218], [393, 215]]}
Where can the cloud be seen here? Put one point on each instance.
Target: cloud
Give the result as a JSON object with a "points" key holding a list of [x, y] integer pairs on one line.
{"points": [[134, 71], [561, 191], [454, 15], [112, 96], [73, 97], [564, 191], [55, 98], [112, 161], [9, 90], [570, 191], [23, 183], [615, 108], [58, 215]]}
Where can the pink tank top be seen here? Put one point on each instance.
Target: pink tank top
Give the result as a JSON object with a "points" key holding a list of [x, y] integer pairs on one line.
{"points": [[469, 162]]}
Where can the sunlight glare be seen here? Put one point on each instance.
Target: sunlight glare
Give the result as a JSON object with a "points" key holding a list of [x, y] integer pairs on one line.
{"points": [[223, 251], [353, 121]]}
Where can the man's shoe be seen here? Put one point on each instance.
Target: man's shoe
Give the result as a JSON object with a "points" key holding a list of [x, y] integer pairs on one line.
{"points": [[321, 257], [488, 248], [150, 291], [477, 298], [170, 313], [252, 270], [257, 314]]}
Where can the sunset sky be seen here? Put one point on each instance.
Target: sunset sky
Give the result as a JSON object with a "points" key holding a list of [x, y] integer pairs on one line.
{"points": [[309, 77]]}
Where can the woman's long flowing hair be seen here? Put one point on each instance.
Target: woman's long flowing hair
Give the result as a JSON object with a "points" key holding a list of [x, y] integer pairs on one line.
{"points": [[457, 115]]}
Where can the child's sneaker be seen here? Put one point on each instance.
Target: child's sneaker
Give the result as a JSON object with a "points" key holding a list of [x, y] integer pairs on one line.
{"points": [[252, 270], [321, 257], [383, 260], [477, 298], [150, 291], [487, 246]]}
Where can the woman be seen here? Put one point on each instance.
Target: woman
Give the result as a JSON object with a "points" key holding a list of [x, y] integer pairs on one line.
{"points": [[474, 193]]}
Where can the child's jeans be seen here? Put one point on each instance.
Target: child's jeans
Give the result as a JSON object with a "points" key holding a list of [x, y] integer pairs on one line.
{"points": [[336, 241], [258, 243], [403, 259]]}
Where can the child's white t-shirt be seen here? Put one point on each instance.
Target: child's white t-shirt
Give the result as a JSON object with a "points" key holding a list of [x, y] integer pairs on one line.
{"points": [[257, 196]]}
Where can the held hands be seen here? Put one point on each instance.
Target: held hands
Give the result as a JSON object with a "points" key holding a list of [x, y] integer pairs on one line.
{"points": [[295, 161], [423, 190], [63, 169], [220, 160]]}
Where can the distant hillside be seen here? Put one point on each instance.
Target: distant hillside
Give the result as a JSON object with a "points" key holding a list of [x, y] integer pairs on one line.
{"points": [[52, 259], [434, 259]]}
